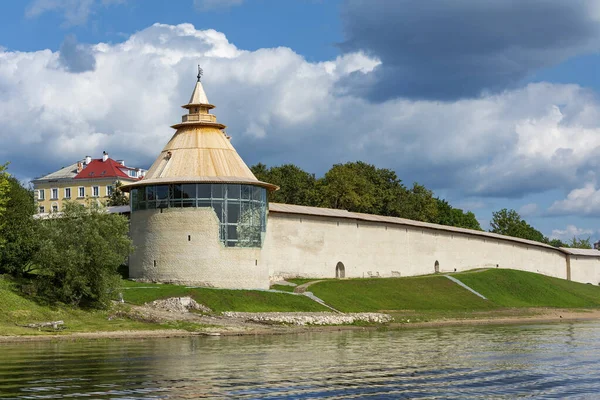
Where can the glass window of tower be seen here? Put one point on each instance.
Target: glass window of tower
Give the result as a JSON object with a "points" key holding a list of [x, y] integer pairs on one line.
{"points": [[241, 209]]}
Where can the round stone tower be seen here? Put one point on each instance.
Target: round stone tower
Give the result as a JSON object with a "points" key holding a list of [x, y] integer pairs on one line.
{"points": [[199, 216]]}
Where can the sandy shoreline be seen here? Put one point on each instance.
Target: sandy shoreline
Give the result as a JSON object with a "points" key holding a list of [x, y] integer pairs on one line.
{"points": [[250, 329]]}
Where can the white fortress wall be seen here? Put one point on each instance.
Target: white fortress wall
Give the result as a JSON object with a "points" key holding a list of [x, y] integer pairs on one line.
{"points": [[312, 245], [182, 245], [585, 269]]}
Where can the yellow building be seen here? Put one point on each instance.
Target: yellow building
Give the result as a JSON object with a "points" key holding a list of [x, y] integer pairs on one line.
{"points": [[86, 180]]}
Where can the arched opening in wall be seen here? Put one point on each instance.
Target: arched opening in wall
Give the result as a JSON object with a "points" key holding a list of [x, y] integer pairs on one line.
{"points": [[340, 270], [436, 267]]}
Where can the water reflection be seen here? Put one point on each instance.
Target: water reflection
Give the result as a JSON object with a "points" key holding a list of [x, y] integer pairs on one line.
{"points": [[543, 361]]}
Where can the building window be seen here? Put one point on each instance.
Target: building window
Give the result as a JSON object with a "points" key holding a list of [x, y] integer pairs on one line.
{"points": [[132, 173], [67, 193], [95, 191], [81, 193], [42, 209], [54, 194], [54, 207], [241, 209], [109, 190], [41, 194]]}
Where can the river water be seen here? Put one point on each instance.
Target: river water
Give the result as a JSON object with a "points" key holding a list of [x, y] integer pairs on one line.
{"points": [[501, 362]]}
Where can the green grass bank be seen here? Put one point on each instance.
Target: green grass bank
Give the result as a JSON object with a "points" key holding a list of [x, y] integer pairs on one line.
{"points": [[426, 298], [504, 288], [220, 300]]}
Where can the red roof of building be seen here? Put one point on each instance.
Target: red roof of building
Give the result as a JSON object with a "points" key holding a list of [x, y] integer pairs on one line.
{"points": [[98, 169]]}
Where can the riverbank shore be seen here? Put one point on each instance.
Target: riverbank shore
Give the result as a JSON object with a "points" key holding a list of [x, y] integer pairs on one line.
{"points": [[237, 327], [148, 310]]}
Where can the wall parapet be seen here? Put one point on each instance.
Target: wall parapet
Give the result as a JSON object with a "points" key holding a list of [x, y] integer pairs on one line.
{"points": [[334, 213]]}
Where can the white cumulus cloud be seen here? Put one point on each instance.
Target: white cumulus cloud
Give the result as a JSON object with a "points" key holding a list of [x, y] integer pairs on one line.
{"points": [[580, 201], [570, 232], [281, 108]]}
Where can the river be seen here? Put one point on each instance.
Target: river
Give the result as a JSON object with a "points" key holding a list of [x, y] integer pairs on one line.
{"points": [[501, 362]]}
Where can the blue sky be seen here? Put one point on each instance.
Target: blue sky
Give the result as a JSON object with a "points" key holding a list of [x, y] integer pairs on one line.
{"points": [[491, 104]]}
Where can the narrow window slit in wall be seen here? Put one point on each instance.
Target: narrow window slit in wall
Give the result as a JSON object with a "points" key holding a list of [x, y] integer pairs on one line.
{"points": [[155, 263], [255, 262], [189, 238]]}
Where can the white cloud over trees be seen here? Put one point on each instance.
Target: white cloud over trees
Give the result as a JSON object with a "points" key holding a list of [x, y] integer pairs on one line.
{"points": [[570, 232], [282, 108]]}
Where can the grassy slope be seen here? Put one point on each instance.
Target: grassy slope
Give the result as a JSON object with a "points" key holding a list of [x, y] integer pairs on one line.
{"points": [[413, 293], [428, 297], [511, 288], [504, 288], [16, 310], [221, 299]]}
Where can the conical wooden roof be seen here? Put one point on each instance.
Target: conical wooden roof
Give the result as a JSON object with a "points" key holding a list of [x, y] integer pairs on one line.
{"points": [[198, 96], [199, 151]]}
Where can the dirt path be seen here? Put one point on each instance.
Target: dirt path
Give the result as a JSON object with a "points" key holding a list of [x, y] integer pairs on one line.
{"points": [[302, 288]]}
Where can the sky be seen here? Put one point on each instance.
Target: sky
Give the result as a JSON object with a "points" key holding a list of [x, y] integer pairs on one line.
{"points": [[491, 104]]}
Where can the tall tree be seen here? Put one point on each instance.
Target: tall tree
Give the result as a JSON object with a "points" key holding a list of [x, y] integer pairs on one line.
{"points": [[79, 255], [580, 243], [557, 243], [296, 186], [4, 189], [19, 230], [419, 204], [361, 187], [509, 222], [448, 215]]}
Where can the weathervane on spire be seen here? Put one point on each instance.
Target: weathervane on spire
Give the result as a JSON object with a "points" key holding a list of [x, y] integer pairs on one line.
{"points": [[200, 72]]}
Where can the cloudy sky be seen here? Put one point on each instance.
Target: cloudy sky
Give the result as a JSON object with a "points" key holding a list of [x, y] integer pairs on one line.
{"points": [[491, 104]]}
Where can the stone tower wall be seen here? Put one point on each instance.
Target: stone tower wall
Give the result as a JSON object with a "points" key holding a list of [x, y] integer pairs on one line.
{"points": [[312, 246], [181, 245]]}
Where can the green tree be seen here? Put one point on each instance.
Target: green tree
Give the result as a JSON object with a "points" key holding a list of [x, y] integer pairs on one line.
{"points": [[344, 187], [509, 223], [361, 187], [296, 186], [261, 172], [118, 197], [557, 243], [419, 204], [4, 188], [19, 230], [79, 255], [448, 215], [580, 243]]}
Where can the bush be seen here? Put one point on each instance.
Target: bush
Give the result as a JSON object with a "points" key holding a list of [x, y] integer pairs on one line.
{"points": [[18, 230], [79, 255]]}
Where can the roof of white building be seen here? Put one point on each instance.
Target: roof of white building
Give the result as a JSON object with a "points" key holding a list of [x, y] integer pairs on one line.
{"points": [[328, 212], [67, 172], [581, 252]]}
